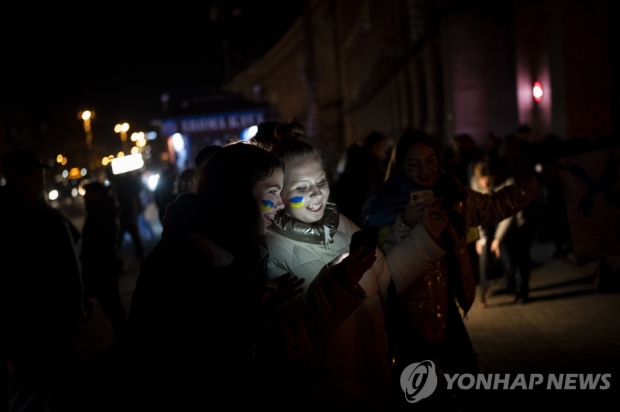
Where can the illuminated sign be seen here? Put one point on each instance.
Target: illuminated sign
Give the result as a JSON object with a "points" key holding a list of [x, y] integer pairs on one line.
{"points": [[127, 163], [217, 123]]}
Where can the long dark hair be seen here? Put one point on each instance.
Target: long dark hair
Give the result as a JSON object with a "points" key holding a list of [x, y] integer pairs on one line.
{"points": [[445, 186], [225, 190]]}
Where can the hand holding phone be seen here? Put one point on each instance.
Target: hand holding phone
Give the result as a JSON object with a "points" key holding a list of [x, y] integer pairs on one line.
{"points": [[416, 208], [421, 195], [349, 269], [366, 239]]}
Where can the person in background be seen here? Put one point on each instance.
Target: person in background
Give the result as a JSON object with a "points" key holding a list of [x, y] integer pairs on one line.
{"points": [[186, 181], [504, 239], [41, 294], [205, 153], [343, 361], [102, 265], [128, 188], [164, 192], [364, 170], [460, 157]]}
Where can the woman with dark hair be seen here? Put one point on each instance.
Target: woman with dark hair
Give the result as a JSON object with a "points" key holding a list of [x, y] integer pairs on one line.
{"points": [[426, 322], [201, 299]]}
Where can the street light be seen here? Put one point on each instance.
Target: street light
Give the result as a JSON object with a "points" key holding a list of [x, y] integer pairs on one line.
{"points": [[86, 116], [122, 130]]}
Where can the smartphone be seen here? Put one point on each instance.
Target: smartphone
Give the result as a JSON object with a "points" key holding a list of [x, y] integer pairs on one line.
{"points": [[366, 238], [421, 195]]}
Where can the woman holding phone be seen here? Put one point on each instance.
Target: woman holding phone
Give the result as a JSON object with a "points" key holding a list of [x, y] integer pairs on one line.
{"points": [[427, 321], [349, 369]]}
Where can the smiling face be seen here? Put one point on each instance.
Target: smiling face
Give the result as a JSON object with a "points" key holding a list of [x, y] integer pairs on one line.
{"points": [[267, 194], [305, 190], [421, 165]]}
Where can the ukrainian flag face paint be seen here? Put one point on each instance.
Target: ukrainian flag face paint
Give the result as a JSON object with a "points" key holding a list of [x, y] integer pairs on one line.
{"points": [[297, 202], [266, 205], [306, 189]]}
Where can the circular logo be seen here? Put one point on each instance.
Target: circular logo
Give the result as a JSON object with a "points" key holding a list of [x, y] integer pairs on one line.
{"points": [[418, 381]]}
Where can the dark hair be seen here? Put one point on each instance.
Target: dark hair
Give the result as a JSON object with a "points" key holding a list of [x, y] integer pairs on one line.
{"points": [[225, 189], [186, 181], [205, 153], [406, 141], [288, 145], [446, 186], [373, 138], [265, 133]]}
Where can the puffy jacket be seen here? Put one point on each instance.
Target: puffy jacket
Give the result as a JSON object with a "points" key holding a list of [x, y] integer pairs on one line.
{"points": [[349, 369], [424, 307]]}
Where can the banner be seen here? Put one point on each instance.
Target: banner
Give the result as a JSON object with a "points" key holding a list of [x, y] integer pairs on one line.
{"points": [[591, 187]]}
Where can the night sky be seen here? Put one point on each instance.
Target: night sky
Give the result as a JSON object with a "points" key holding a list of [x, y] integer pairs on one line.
{"points": [[119, 63]]}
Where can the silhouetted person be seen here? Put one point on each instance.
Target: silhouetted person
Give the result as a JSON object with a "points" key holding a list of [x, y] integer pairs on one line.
{"points": [[40, 291], [102, 265], [164, 192], [191, 323], [364, 171], [460, 158], [555, 216], [205, 153], [186, 182], [127, 187]]}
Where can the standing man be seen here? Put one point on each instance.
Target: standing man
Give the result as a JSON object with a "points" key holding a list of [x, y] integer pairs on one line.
{"points": [[41, 297]]}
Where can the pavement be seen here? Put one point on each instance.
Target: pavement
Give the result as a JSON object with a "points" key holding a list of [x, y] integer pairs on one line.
{"points": [[568, 327]]}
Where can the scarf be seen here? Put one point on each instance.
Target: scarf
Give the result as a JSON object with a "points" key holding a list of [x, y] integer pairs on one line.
{"points": [[319, 232], [383, 207]]}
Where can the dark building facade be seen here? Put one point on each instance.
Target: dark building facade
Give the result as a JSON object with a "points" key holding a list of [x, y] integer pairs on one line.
{"points": [[447, 67]]}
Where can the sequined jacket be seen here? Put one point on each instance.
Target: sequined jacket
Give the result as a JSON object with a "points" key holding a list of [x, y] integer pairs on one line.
{"points": [[424, 306]]}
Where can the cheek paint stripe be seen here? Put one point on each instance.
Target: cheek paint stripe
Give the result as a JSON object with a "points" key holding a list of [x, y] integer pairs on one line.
{"points": [[297, 202], [266, 205]]}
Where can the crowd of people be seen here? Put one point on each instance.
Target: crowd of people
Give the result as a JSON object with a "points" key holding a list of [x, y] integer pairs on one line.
{"points": [[254, 295]]}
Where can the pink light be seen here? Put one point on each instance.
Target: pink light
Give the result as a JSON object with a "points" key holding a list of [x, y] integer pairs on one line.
{"points": [[537, 91]]}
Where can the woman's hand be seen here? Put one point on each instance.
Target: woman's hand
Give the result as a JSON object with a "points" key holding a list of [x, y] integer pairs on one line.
{"points": [[348, 268], [435, 219], [480, 243], [495, 248], [281, 288], [414, 212]]}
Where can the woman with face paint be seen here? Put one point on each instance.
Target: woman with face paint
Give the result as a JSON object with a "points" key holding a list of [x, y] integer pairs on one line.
{"points": [[202, 298], [347, 368]]}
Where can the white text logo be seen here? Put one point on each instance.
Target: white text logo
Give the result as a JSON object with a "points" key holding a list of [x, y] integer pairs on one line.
{"points": [[535, 380]]}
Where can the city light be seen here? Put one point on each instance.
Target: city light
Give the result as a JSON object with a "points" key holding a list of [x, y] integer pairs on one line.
{"points": [[121, 129], [537, 91], [127, 163], [86, 117]]}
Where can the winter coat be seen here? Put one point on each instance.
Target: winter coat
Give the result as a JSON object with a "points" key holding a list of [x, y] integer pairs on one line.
{"points": [[424, 307], [41, 291], [350, 370], [191, 325]]}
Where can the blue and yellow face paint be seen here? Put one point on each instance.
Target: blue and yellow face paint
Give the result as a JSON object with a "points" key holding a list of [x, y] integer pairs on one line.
{"points": [[297, 202], [266, 205]]}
